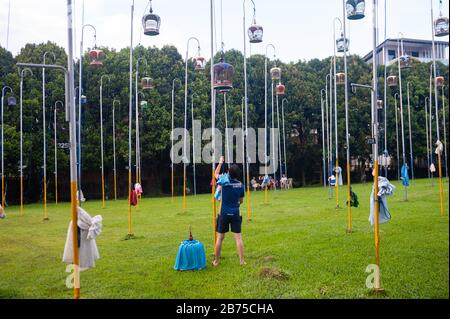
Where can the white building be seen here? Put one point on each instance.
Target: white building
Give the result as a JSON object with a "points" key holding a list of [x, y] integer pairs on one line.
{"points": [[418, 49]]}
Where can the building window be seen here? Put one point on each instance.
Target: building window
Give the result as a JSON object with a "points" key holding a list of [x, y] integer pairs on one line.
{"points": [[391, 55], [415, 54]]}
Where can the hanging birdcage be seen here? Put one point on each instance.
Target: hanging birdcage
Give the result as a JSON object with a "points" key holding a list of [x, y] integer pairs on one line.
{"points": [[340, 78], [151, 22], [355, 9], [200, 63], [342, 44], [380, 104], [255, 33], [280, 89], [441, 26], [12, 101], [143, 104], [405, 61], [440, 81], [83, 100], [223, 76], [97, 56], [392, 80], [275, 73], [147, 83]]}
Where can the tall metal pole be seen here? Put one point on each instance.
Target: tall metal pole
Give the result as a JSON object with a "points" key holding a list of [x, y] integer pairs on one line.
{"points": [[426, 130], [410, 133], [324, 170], [114, 147], [227, 145], [244, 29], [80, 90], [213, 120], [45, 137], [284, 136], [396, 136], [445, 132], [137, 138], [73, 143], [101, 136], [272, 149], [171, 137], [386, 153], [335, 111], [328, 122], [185, 154], [3, 145], [130, 122], [331, 123], [279, 141], [375, 147], [347, 133], [441, 189], [265, 118], [193, 144], [22, 74], [430, 126], [243, 140], [400, 54], [56, 148]]}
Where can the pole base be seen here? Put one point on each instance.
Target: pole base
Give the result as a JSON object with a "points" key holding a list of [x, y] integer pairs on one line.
{"points": [[337, 207], [378, 291], [349, 231], [45, 219], [129, 236]]}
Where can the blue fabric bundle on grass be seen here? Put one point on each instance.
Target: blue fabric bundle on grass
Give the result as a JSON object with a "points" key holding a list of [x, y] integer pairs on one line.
{"points": [[191, 256]]}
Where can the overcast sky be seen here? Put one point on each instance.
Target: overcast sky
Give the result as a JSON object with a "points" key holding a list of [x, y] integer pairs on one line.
{"points": [[300, 29]]}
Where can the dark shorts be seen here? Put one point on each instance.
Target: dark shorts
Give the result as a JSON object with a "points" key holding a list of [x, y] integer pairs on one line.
{"points": [[224, 221]]}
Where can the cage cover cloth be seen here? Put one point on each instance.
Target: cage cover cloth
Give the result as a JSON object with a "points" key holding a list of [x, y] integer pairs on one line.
{"points": [[385, 188], [224, 179], [89, 228], [405, 175], [191, 256]]}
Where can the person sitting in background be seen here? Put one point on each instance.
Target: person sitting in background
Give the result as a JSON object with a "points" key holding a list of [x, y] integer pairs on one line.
{"points": [[272, 183], [284, 182], [254, 184]]}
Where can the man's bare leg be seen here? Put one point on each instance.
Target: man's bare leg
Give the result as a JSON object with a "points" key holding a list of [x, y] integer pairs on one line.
{"points": [[240, 247], [218, 249]]}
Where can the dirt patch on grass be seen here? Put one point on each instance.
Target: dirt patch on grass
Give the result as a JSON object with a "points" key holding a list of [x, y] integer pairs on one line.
{"points": [[268, 258], [273, 273]]}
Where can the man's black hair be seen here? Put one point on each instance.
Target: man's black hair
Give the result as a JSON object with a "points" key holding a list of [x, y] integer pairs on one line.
{"points": [[234, 171]]}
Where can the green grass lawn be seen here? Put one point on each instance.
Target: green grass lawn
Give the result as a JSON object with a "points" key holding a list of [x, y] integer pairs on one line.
{"points": [[299, 238]]}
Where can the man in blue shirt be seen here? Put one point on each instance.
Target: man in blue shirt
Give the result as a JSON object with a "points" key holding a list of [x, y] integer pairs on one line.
{"points": [[231, 199]]}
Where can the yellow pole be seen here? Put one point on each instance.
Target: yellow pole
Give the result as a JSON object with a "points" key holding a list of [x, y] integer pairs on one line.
{"points": [[115, 186], [337, 183], [56, 189], [21, 195], [349, 208], [172, 184], [248, 196], [130, 232], [184, 186], [3, 191], [377, 229], [103, 191], [45, 199], [441, 190]]}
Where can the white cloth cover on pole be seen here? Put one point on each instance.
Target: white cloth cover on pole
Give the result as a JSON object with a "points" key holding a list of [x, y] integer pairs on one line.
{"points": [[439, 148], [385, 188], [90, 228]]}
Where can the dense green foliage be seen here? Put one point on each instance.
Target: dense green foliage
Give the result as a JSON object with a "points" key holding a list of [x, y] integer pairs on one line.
{"points": [[295, 247], [303, 80]]}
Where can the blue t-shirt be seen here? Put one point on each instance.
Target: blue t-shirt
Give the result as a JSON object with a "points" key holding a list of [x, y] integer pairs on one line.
{"points": [[231, 194]]}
